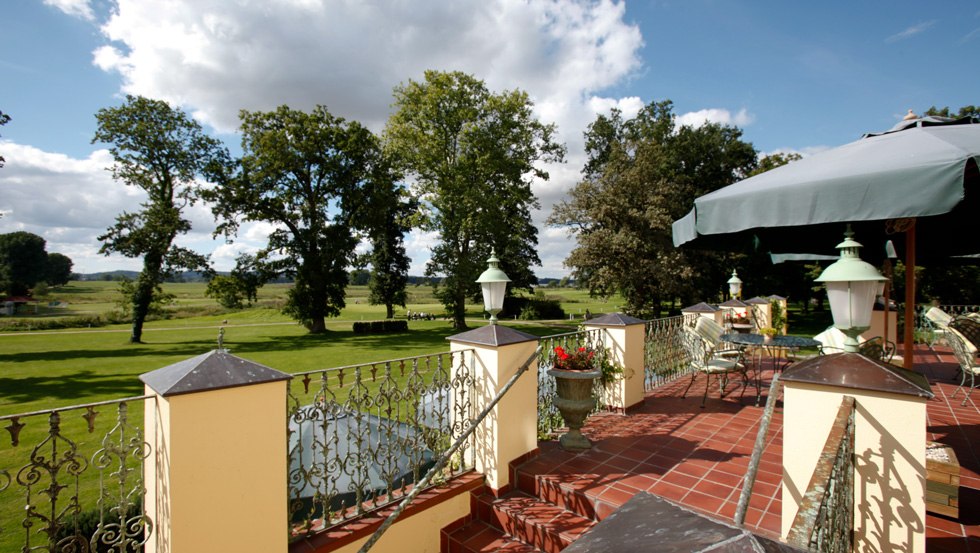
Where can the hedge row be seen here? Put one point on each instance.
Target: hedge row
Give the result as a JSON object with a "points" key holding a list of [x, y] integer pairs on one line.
{"points": [[379, 327]]}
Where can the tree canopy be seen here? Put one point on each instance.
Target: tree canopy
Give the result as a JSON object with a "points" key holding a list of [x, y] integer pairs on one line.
{"points": [[162, 151], [641, 175], [58, 271], [473, 154], [23, 262], [392, 211], [307, 174]]}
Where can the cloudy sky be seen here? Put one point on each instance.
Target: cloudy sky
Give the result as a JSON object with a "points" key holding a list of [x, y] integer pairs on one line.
{"points": [[795, 76]]}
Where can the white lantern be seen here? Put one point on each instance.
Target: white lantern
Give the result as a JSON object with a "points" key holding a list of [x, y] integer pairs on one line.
{"points": [[735, 285], [852, 287], [494, 283]]}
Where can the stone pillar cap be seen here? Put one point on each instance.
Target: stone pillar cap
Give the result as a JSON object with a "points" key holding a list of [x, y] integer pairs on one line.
{"points": [[853, 370], [214, 370]]}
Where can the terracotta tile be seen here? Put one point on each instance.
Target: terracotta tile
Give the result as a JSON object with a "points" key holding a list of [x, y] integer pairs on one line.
{"points": [[703, 502]]}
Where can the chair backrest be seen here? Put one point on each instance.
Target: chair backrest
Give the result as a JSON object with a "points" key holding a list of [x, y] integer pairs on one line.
{"points": [[966, 359], [938, 317], [969, 330], [876, 348], [709, 330], [697, 347]]}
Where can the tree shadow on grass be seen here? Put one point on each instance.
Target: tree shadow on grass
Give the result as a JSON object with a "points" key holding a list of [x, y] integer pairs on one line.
{"points": [[85, 383]]}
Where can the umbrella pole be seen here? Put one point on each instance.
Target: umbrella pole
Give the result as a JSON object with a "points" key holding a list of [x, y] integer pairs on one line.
{"points": [[909, 296]]}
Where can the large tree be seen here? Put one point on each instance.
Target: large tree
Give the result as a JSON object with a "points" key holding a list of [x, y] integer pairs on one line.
{"points": [[58, 269], [307, 174], [640, 176], [392, 210], [23, 262], [473, 154], [162, 151]]}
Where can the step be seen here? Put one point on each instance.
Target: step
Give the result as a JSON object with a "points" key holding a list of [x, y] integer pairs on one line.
{"points": [[566, 493], [544, 525], [478, 536]]}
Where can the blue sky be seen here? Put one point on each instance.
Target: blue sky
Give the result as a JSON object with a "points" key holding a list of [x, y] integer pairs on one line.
{"points": [[795, 76]]}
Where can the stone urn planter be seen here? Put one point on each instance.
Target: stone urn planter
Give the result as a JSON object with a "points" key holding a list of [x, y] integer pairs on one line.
{"points": [[574, 400]]}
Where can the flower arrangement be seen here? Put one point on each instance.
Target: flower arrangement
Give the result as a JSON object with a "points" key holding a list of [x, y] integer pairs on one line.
{"points": [[768, 331], [577, 360], [741, 318]]}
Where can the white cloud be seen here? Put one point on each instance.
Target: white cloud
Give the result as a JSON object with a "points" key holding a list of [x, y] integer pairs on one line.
{"points": [[349, 56], [741, 118], [911, 31], [74, 8]]}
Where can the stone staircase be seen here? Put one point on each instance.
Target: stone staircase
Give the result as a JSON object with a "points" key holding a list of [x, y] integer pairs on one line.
{"points": [[541, 515]]}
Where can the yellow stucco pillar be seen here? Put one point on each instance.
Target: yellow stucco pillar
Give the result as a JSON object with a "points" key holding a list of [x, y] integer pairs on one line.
{"points": [[511, 429], [216, 479], [623, 339], [889, 445]]}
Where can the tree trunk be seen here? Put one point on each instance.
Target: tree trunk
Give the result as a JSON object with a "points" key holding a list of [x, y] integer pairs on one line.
{"points": [[459, 309], [317, 325], [390, 310]]}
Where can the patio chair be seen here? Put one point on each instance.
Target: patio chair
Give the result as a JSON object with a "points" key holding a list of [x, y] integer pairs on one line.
{"points": [[969, 367], [705, 360], [937, 321], [967, 328], [711, 332], [878, 348]]}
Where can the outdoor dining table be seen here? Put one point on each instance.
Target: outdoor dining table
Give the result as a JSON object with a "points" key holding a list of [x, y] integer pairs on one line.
{"points": [[771, 349]]}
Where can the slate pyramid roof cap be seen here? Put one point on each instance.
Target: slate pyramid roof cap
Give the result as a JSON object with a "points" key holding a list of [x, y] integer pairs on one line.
{"points": [[614, 319], [758, 300], [493, 335], [734, 303], [775, 297], [853, 370], [210, 371], [701, 308]]}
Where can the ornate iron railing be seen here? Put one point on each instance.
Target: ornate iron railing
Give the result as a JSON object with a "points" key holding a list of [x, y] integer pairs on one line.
{"points": [[458, 443], [665, 357], [549, 419], [825, 521], [79, 493], [361, 435]]}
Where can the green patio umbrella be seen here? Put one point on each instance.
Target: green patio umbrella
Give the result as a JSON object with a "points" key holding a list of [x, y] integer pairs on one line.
{"points": [[916, 182]]}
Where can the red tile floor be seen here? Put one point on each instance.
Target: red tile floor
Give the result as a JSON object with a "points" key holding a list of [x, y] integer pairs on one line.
{"points": [[697, 457]]}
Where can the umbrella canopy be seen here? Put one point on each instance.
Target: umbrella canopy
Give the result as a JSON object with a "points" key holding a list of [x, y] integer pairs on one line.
{"points": [[917, 182], [924, 168]]}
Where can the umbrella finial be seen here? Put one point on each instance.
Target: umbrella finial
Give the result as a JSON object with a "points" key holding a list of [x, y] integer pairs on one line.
{"points": [[910, 116]]}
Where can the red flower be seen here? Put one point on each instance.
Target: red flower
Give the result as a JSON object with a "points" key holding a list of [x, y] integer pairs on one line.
{"points": [[579, 360]]}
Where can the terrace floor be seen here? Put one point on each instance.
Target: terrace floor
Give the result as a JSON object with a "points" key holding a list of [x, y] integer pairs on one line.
{"points": [[697, 457]]}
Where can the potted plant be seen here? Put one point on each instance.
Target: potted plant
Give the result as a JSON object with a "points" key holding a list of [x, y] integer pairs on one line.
{"points": [[768, 333], [574, 372]]}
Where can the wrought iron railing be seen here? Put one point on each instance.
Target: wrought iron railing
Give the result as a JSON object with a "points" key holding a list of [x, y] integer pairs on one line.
{"points": [[61, 490], [360, 436], [443, 459], [665, 357], [825, 520], [549, 419]]}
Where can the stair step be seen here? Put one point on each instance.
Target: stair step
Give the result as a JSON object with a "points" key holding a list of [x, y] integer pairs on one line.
{"points": [[478, 536], [544, 525], [565, 494]]}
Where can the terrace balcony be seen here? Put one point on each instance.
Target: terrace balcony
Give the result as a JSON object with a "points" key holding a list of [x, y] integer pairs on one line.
{"points": [[546, 499]]}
